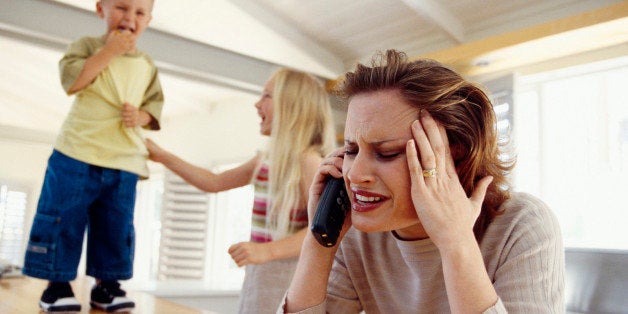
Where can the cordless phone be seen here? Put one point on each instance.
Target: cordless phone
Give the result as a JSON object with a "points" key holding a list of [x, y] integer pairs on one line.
{"points": [[330, 214]]}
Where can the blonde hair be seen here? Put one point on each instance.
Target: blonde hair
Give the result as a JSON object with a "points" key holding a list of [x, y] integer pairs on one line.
{"points": [[302, 123]]}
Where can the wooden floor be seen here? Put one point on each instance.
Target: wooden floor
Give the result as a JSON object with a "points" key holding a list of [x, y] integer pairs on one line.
{"points": [[21, 295]]}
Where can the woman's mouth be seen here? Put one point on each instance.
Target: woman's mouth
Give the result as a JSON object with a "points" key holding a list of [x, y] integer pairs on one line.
{"points": [[367, 199], [364, 201]]}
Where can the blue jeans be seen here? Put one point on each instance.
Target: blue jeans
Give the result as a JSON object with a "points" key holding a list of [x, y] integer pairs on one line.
{"points": [[75, 197]]}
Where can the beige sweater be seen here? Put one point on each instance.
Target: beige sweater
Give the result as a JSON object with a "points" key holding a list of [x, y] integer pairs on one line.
{"points": [[522, 250]]}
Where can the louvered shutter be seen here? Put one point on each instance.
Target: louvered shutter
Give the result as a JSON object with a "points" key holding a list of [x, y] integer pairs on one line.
{"points": [[12, 211], [183, 230]]}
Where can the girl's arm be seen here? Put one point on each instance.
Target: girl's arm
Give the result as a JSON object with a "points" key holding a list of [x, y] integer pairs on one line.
{"points": [[244, 253], [291, 246], [200, 177]]}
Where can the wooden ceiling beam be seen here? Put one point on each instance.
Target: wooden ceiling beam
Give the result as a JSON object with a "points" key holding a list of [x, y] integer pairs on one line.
{"points": [[574, 34]]}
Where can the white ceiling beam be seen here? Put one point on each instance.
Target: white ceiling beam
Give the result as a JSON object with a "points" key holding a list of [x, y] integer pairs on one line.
{"points": [[440, 16], [44, 22]]}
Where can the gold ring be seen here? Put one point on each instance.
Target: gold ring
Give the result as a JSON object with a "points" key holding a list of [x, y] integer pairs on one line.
{"points": [[429, 173]]}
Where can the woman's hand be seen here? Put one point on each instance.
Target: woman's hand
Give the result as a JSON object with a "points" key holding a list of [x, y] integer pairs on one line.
{"points": [[245, 253], [330, 166], [445, 211], [309, 283]]}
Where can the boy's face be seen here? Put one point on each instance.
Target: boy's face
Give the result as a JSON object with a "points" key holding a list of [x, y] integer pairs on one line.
{"points": [[125, 15]]}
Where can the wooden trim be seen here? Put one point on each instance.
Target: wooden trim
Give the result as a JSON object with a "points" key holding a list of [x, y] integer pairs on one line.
{"points": [[467, 58], [464, 57]]}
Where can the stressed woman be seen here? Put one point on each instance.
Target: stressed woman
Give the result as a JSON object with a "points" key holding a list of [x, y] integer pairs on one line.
{"points": [[434, 226]]}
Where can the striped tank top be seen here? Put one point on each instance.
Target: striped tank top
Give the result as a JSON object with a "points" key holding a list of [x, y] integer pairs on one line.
{"points": [[260, 231]]}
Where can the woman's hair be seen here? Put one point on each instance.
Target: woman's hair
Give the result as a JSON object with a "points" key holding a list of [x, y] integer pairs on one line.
{"points": [[301, 123], [460, 106]]}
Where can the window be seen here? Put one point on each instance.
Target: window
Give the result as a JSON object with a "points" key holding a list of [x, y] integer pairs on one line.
{"points": [[12, 211], [500, 94], [184, 234], [571, 135]]}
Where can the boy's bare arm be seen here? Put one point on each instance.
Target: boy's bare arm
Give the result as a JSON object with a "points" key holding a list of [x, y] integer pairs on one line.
{"points": [[117, 43]]}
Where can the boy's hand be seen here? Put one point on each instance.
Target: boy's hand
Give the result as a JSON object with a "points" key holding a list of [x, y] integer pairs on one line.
{"points": [[120, 42], [132, 116]]}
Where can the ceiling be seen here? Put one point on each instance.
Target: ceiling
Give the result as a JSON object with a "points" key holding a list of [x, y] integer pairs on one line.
{"points": [[235, 45], [327, 37]]}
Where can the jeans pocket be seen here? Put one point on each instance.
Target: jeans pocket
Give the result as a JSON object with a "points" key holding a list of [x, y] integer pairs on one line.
{"points": [[40, 252], [131, 243]]}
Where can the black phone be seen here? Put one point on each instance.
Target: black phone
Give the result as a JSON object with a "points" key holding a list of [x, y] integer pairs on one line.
{"points": [[332, 209]]}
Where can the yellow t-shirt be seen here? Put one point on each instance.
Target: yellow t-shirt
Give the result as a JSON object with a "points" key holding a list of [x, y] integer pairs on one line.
{"points": [[93, 131]]}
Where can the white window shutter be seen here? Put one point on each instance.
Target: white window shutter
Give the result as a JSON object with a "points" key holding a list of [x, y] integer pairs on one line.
{"points": [[183, 231], [501, 96], [12, 214]]}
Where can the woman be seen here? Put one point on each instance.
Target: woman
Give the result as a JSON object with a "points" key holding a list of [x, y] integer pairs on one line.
{"points": [[433, 227], [296, 114]]}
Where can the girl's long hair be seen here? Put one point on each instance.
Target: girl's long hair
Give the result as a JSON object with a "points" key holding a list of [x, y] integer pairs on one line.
{"points": [[302, 123]]}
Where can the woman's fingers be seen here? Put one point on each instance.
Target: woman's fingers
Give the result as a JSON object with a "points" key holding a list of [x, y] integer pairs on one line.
{"points": [[426, 154], [437, 141], [413, 164], [450, 166], [478, 194], [332, 164]]}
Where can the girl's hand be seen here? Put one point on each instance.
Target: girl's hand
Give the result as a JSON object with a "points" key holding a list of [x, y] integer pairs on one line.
{"points": [[155, 152], [245, 253], [445, 211]]}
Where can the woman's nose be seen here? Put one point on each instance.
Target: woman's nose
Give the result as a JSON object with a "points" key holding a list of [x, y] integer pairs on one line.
{"points": [[358, 170]]}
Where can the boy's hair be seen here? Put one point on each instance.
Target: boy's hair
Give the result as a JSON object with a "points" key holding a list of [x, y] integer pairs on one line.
{"points": [[152, 3], [302, 123], [460, 106]]}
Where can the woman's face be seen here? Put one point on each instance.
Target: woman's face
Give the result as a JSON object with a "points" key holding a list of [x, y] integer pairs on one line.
{"points": [[375, 167], [265, 108]]}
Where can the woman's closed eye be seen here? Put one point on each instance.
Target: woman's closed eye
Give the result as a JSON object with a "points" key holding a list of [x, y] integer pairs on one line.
{"points": [[386, 156], [389, 155]]}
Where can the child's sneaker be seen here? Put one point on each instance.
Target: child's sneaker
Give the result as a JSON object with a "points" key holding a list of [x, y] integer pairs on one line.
{"points": [[58, 297], [108, 297]]}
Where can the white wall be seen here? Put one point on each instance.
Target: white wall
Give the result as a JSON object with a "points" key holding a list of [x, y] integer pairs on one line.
{"points": [[215, 134], [22, 164]]}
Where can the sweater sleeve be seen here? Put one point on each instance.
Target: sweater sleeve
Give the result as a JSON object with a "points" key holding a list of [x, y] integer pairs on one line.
{"points": [[341, 294], [529, 271]]}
